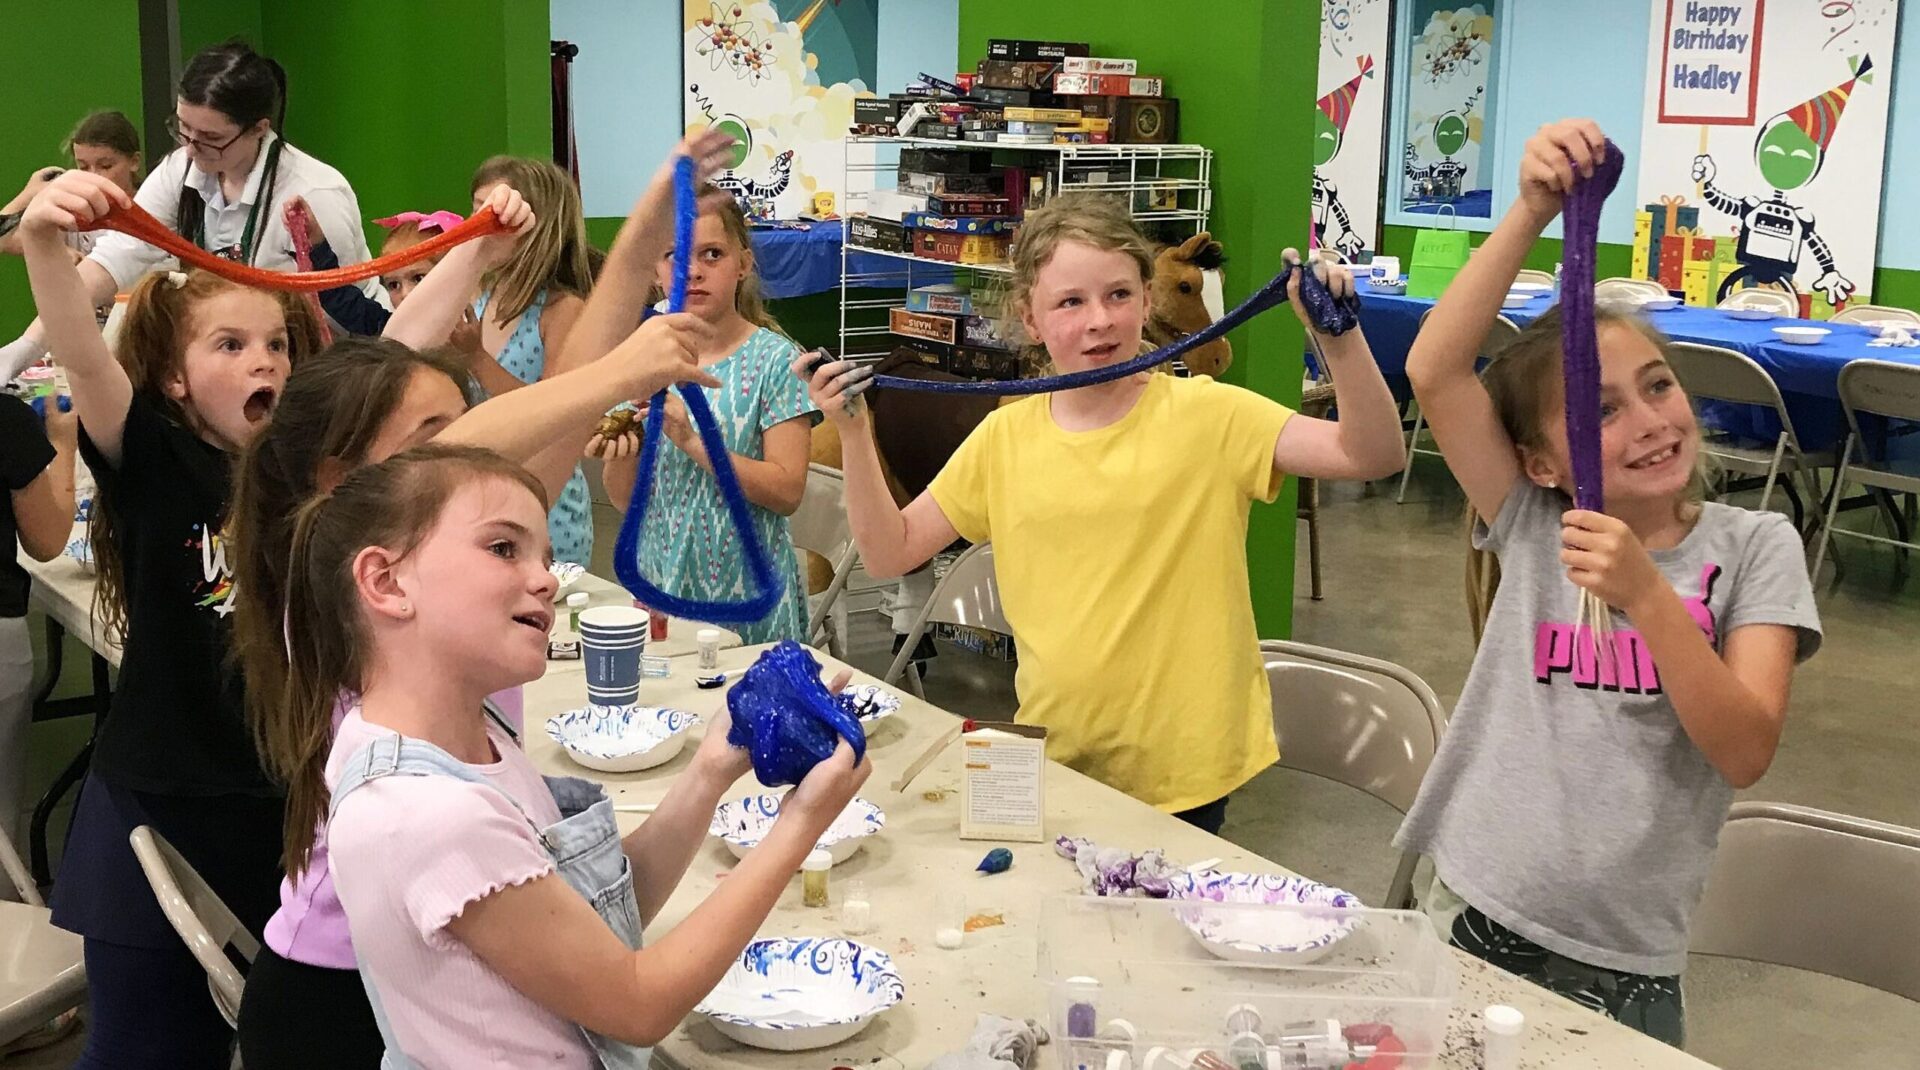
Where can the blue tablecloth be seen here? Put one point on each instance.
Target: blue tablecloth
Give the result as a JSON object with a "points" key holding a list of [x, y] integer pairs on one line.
{"points": [[1807, 375], [794, 263]]}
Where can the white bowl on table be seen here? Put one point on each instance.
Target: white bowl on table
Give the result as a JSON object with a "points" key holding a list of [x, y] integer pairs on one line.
{"points": [[1802, 336], [80, 548], [1530, 288], [566, 574], [1659, 304], [1239, 933], [1755, 314], [1517, 300], [742, 823], [870, 702], [621, 739], [802, 993]]}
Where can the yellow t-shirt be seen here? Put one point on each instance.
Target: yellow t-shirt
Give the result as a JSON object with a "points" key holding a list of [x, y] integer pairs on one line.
{"points": [[1121, 557]]}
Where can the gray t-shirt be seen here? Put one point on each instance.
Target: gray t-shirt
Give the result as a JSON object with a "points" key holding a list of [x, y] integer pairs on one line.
{"points": [[1566, 802]]}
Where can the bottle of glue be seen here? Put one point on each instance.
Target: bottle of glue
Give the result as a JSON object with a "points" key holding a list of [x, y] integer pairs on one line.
{"points": [[1506, 1027]]}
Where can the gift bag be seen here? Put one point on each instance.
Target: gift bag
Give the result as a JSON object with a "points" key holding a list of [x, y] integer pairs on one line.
{"points": [[1438, 255]]}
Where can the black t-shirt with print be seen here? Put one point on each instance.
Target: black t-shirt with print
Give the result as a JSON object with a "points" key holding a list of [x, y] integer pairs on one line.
{"points": [[24, 454], [176, 725]]}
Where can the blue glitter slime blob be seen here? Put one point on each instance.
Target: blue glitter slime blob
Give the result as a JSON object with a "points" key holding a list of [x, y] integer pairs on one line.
{"points": [[787, 719]]}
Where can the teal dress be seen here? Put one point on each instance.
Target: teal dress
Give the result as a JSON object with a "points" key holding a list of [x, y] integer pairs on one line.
{"points": [[570, 521], [689, 546]]}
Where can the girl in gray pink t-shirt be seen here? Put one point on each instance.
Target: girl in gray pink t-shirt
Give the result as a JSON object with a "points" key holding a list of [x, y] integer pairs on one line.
{"points": [[1574, 806]]}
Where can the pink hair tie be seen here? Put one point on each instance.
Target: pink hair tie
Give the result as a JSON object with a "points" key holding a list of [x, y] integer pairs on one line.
{"points": [[440, 221]]}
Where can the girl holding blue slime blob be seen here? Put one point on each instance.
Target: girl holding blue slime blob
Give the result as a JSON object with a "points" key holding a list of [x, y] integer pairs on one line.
{"points": [[1118, 514], [496, 914]]}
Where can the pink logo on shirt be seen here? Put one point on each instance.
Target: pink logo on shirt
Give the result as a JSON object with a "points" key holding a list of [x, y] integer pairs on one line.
{"points": [[1626, 664]]}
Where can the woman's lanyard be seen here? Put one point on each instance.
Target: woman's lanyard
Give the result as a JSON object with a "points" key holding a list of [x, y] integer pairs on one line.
{"points": [[261, 201]]}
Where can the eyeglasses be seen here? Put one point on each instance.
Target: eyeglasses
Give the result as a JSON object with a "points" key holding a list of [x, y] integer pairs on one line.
{"points": [[173, 129]]}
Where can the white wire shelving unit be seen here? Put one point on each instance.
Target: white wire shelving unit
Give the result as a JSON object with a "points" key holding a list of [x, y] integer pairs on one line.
{"points": [[1168, 187]]}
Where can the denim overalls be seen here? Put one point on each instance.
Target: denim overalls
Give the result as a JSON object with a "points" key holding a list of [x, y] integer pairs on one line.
{"points": [[584, 846]]}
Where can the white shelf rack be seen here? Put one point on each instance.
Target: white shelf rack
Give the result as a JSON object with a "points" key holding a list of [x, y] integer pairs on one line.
{"points": [[1183, 171]]}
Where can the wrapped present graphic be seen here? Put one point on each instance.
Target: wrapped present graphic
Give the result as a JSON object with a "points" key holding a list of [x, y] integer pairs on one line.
{"points": [[1701, 282], [1642, 243], [1675, 250]]}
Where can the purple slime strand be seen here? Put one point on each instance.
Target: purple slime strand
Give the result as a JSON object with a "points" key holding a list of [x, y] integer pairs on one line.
{"points": [[1579, 340]]}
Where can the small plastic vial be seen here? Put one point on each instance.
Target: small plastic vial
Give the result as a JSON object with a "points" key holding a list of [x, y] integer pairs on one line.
{"points": [[576, 602], [950, 919], [813, 878], [709, 640], [856, 910], [1505, 1029]]}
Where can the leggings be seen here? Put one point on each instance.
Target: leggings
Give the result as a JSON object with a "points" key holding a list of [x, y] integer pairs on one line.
{"points": [[151, 1010], [301, 1017]]}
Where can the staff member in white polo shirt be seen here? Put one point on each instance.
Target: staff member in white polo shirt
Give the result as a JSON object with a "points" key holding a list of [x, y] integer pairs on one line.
{"points": [[224, 188]]}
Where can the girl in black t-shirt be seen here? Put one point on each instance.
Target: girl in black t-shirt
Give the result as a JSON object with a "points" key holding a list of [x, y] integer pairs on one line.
{"points": [[201, 363]]}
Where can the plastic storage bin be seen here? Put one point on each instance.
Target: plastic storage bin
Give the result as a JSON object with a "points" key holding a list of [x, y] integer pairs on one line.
{"points": [[1154, 984]]}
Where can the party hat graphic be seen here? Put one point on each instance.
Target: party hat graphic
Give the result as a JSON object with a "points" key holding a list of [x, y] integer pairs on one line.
{"points": [[1338, 105], [1817, 118]]}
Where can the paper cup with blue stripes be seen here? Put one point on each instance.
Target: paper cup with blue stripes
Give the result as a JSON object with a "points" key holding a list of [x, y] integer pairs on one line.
{"points": [[612, 638]]}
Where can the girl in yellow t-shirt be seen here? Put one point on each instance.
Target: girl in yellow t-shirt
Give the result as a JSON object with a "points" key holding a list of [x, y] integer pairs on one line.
{"points": [[1118, 514]]}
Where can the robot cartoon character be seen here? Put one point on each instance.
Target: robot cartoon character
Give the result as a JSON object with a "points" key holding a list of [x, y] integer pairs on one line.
{"points": [[1329, 133], [1790, 150]]}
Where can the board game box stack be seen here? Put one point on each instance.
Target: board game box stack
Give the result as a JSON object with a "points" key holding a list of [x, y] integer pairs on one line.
{"points": [[1028, 94], [950, 327], [951, 205]]}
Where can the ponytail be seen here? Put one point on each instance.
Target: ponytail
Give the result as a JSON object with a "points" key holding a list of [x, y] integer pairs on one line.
{"points": [[393, 504]]}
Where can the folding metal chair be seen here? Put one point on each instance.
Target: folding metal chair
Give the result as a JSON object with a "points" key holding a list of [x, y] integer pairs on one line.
{"points": [[1794, 886], [1905, 317], [1720, 374], [1879, 388], [198, 915], [1501, 335], [966, 596], [820, 526], [1358, 721]]}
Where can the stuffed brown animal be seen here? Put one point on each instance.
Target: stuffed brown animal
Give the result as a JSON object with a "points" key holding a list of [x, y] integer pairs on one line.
{"points": [[1178, 309]]}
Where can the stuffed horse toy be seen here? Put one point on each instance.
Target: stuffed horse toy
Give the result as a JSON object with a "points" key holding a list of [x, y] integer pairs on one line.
{"points": [[1179, 309]]}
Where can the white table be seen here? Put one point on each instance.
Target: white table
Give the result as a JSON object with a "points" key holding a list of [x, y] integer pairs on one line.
{"points": [[921, 852], [604, 592]]}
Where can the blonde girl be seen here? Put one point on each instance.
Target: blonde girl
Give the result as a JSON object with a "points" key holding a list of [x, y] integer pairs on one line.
{"points": [[1118, 514], [1572, 811]]}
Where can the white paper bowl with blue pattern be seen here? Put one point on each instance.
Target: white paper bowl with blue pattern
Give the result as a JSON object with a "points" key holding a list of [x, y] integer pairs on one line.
{"points": [[565, 574], [621, 739], [742, 823], [801, 993], [871, 702], [1277, 937], [80, 548]]}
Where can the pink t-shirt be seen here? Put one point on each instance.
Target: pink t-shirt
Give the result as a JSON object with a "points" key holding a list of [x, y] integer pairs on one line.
{"points": [[310, 927], [409, 854]]}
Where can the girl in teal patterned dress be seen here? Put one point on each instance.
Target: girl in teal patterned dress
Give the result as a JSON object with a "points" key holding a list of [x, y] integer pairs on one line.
{"points": [[527, 309], [689, 546]]}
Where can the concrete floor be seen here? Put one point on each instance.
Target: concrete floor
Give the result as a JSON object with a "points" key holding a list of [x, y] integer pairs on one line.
{"points": [[1392, 576]]}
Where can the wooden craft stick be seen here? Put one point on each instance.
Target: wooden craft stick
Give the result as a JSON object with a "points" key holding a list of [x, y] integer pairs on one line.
{"points": [[927, 756]]}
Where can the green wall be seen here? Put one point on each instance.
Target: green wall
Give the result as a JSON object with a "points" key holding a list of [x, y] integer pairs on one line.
{"points": [[1891, 286], [99, 68], [1244, 74], [408, 123]]}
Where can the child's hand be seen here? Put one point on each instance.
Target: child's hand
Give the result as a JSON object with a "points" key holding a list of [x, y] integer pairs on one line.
{"points": [[72, 200], [1604, 556], [718, 762], [513, 210], [618, 448], [677, 427], [1338, 283], [825, 792], [833, 386], [662, 351], [299, 215], [1554, 158], [464, 339], [711, 152], [63, 428]]}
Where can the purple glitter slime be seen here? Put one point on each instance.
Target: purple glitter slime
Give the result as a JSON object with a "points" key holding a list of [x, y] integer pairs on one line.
{"points": [[1579, 342]]}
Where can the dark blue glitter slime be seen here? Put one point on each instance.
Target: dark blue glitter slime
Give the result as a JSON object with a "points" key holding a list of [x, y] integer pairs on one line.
{"points": [[786, 719]]}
